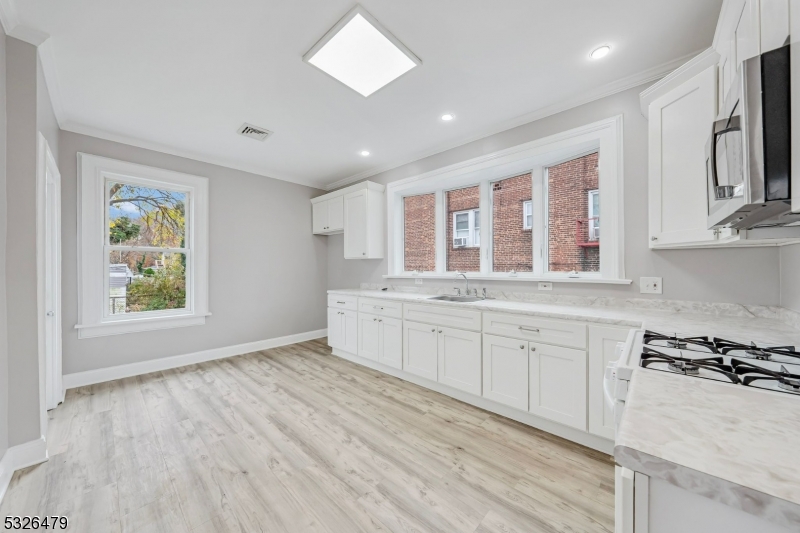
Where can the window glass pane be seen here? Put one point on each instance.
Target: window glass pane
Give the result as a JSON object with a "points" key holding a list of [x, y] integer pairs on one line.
{"points": [[139, 281], [512, 243], [570, 246], [419, 233], [462, 258], [141, 216]]}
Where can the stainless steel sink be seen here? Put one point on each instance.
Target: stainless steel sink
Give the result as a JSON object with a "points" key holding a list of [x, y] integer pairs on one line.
{"points": [[463, 299]]}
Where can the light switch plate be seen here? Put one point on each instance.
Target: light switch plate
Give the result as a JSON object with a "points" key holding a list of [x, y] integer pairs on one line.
{"points": [[650, 286], [545, 286], [418, 281]]}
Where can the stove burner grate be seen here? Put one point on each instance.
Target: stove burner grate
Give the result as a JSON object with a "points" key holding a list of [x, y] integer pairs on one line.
{"points": [[786, 381], [680, 343], [753, 351], [689, 367]]}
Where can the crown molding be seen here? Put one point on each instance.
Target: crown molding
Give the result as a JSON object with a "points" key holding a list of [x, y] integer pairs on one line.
{"points": [[90, 131], [649, 75]]}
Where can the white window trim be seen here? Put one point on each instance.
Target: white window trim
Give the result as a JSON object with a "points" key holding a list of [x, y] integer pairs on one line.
{"points": [[94, 321], [605, 136]]}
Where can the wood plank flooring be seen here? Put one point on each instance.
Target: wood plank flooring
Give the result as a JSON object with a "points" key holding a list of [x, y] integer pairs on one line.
{"points": [[295, 440]]}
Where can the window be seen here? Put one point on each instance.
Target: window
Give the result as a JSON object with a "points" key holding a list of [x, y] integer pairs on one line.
{"points": [[527, 215], [143, 248], [539, 204], [419, 233], [463, 230]]}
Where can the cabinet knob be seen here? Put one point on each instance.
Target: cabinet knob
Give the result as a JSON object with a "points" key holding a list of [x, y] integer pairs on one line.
{"points": [[521, 346], [653, 238], [380, 320], [374, 319], [433, 330], [533, 349], [440, 331], [363, 253]]}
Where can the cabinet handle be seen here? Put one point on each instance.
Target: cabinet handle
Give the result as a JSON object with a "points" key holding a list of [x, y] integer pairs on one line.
{"points": [[521, 346], [374, 319], [534, 330], [533, 349], [377, 307], [380, 320], [440, 331], [433, 330], [338, 302]]}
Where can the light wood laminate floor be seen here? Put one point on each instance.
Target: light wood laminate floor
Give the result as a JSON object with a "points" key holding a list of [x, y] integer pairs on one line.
{"points": [[294, 440]]}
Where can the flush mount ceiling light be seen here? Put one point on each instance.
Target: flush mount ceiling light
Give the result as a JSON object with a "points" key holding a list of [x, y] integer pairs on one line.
{"points": [[361, 53], [599, 53], [364, 153], [447, 117]]}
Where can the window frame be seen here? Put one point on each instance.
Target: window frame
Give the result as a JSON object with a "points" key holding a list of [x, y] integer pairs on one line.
{"points": [[94, 175], [471, 229], [590, 215], [604, 136]]}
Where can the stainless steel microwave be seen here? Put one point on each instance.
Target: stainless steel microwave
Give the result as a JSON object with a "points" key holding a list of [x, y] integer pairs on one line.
{"points": [[748, 156]]}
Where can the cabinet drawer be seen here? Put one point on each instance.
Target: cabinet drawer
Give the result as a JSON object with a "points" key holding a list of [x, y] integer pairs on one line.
{"points": [[531, 328], [343, 302], [380, 307], [443, 316]]}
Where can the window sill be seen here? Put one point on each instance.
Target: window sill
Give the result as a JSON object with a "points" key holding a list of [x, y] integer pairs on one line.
{"points": [[134, 325], [519, 277]]}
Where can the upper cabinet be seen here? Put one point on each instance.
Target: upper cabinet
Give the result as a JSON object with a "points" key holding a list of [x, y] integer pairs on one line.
{"points": [[357, 211], [681, 109]]}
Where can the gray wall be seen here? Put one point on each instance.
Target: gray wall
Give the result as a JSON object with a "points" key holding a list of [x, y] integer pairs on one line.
{"points": [[700, 275], [268, 273], [3, 223], [790, 277], [23, 361]]}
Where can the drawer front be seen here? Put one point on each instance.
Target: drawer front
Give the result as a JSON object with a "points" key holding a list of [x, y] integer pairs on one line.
{"points": [[380, 307], [443, 316], [531, 328], [343, 302]]}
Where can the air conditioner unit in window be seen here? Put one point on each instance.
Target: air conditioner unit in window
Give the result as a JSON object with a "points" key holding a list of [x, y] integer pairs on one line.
{"points": [[459, 242]]}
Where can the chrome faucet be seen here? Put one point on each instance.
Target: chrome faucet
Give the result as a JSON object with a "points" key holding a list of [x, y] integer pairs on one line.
{"points": [[465, 279]]}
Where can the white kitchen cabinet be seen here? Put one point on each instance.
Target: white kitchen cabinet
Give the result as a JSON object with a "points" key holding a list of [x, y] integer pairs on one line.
{"points": [[505, 371], [774, 24], [343, 329], [603, 341], [680, 124], [380, 339], [557, 383], [459, 357], [369, 336], [363, 225], [420, 349], [327, 216]]}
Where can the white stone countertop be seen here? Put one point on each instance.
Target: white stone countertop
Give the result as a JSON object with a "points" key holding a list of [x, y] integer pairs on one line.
{"points": [[737, 445]]}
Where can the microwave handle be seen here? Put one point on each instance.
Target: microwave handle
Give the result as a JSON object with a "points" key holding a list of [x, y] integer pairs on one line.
{"points": [[719, 128]]}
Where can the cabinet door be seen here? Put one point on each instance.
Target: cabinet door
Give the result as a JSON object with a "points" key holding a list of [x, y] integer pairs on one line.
{"points": [[747, 33], [774, 23], [319, 217], [603, 342], [336, 213], [420, 348], [558, 384], [505, 371], [335, 322], [460, 359], [355, 225], [680, 125], [350, 331], [369, 336], [391, 342]]}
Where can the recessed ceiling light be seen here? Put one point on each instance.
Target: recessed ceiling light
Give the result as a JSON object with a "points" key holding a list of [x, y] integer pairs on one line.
{"points": [[361, 53], [601, 52], [447, 117], [364, 153]]}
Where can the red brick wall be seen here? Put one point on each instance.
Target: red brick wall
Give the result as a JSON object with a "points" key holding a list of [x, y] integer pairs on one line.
{"points": [[512, 244], [467, 259], [419, 230], [568, 189]]}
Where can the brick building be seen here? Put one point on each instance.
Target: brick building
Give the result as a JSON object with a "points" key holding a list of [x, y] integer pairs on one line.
{"points": [[573, 238]]}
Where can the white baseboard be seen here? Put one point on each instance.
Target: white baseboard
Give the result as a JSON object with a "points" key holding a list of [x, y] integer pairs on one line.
{"points": [[600, 444], [101, 375], [18, 457]]}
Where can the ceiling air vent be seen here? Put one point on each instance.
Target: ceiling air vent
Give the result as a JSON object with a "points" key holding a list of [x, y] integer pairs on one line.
{"points": [[254, 132]]}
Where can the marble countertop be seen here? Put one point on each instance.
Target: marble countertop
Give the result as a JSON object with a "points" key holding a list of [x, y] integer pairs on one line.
{"points": [[732, 444]]}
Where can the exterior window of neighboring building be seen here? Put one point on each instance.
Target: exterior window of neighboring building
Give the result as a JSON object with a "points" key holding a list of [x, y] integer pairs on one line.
{"points": [[419, 233], [463, 229], [527, 215], [594, 215]]}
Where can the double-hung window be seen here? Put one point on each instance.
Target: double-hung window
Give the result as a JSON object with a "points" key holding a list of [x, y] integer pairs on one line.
{"points": [[528, 212], [143, 245]]}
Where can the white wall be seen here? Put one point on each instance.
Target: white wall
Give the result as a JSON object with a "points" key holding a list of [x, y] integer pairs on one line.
{"points": [[790, 277], [268, 273], [3, 224], [748, 276]]}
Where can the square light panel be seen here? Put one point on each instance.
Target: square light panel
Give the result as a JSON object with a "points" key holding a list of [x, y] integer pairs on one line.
{"points": [[362, 54]]}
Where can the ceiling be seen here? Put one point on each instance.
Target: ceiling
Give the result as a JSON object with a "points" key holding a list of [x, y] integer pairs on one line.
{"points": [[182, 75]]}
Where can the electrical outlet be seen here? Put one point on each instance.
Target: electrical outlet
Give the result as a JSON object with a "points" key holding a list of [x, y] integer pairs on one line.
{"points": [[545, 286], [418, 281], [650, 286]]}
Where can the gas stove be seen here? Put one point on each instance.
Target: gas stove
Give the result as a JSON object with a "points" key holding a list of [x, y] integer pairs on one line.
{"points": [[775, 368]]}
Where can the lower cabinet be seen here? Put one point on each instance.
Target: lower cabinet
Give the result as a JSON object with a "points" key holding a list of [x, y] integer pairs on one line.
{"points": [[343, 329], [380, 339], [558, 384], [505, 371], [603, 342], [447, 355]]}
